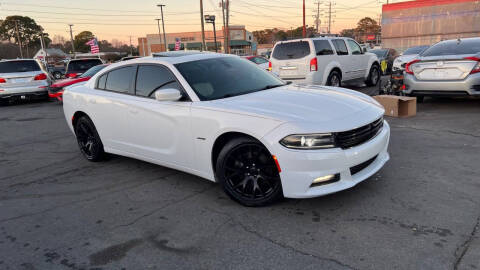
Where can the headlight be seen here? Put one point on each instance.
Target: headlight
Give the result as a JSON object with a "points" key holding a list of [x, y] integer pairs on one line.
{"points": [[309, 141]]}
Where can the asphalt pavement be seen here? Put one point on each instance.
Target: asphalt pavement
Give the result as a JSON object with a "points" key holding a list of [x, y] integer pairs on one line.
{"points": [[59, 211]]}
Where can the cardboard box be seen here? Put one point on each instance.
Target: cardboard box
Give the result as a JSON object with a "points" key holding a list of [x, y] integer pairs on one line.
{"points": [[398, 106]]}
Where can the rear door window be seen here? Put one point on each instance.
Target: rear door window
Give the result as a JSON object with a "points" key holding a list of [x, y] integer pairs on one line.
{"points": [[121, 80], [102, 81], [153, 77], [291, 50], [453, 47], [19, 66], [322, 47], [340, 46]]}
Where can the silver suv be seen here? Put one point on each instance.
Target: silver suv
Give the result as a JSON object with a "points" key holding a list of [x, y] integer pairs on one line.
{"points": [[324, 61], [448, 68], [22, 79]]}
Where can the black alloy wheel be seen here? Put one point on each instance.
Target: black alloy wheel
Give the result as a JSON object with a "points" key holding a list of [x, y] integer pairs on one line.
{"points": [[374, 76], [88, 140], [334, 79], [248, 173]]}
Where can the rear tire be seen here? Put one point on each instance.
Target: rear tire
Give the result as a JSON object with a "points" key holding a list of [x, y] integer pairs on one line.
{"points": [[88, 139], [248, 173], [334, 79], [374, 76]]}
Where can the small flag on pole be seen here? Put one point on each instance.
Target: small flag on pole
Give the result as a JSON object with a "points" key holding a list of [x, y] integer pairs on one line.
{"points": [[93, 46], [178, 44]]}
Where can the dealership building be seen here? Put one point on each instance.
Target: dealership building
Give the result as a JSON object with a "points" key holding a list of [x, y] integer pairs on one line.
{"points": [[241, 41], [425, 22]]}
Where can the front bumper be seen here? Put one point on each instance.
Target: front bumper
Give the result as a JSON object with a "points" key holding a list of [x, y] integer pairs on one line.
{"points": [[301, 167], [468, 86]]}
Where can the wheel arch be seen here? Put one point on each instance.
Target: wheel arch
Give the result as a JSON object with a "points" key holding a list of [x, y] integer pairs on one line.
{"points": [[222, 140], [332, 66]]}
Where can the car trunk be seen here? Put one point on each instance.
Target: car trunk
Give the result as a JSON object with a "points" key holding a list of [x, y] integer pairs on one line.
{"points": [[291, 60], [20, 79], [443, 68]]}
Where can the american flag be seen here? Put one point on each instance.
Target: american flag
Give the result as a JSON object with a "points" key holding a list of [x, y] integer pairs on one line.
{"points": [[93, 46]]}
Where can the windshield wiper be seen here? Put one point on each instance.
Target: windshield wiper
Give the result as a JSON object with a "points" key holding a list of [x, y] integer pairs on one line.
{"points": [[270, 86]]}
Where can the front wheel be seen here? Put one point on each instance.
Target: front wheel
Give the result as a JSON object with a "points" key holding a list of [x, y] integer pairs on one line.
{"points": [[373, 76], [248, 173], [88, 140]]}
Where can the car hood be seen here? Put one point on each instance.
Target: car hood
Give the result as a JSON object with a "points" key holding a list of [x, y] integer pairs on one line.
{"points": [[66, 82], [298, 103]]}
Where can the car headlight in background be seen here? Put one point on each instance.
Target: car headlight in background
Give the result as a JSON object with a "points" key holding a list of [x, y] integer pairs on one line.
{"points": [[309, 141]]}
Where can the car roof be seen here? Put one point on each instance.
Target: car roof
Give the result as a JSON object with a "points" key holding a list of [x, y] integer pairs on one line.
{"points": [[19, 59], [84, 59], [180, 57]]}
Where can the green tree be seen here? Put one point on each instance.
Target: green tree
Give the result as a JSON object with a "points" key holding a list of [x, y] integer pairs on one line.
{"points": [[28, 30], [81, 39], [367, 26], [348, 33]]}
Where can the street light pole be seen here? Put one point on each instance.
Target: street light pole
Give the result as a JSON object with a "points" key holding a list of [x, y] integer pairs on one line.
{"points": [[304, 32], [71, 40], [163, 26], [159, 34], [18, 39], [211, 19], [203, 27]]}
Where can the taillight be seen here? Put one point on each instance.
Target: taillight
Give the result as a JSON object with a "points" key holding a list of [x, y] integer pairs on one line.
{"points": [[476, 68], [313, 64], [2, 80], [269, 66], [407, 67], [71, 75], [40, 77]]}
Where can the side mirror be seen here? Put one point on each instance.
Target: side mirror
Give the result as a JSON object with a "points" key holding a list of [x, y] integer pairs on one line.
{"points": [[168, 94]]}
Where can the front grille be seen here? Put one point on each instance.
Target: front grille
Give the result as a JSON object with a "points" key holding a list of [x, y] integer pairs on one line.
{"points": [[357, 168], [354, 137]]}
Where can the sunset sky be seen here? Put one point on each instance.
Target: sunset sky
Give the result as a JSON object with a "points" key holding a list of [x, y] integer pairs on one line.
{"points": [[120, 19]]}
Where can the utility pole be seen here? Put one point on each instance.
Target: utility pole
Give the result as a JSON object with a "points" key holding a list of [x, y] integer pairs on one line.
{"points": [[163, 26], [71, 40], [203, 27], [131, 47], [18, 39], [227, 46], [159, 34], [317, 16], [304, 33], [44, 47], [211, 19], [329, 16], [224, 29]]}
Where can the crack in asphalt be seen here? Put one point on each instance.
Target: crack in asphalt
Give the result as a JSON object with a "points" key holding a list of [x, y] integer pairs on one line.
{"points": [[440, 130], [277, 243], [465, 245], [163, 207]]}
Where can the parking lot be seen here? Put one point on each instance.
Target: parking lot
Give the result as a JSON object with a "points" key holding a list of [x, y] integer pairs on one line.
{"points": [[59, 211]]}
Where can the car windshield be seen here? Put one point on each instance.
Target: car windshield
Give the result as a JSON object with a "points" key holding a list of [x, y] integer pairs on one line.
{"points": [[379, 53], [92, 71], [79, 65], [19, 66], [415, 50], [454, 47], [224, 77]]}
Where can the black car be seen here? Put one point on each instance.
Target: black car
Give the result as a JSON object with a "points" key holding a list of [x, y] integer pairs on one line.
{"points": [[76, 67], [387, 55]]}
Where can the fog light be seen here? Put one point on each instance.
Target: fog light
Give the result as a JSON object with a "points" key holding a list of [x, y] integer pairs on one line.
{"points": [[323, 179]]}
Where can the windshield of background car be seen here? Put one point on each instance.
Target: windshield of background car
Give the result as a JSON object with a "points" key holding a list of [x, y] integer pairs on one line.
{"points": [[19, 66], [92, 71], [415, 50], [225, 77], [380, 53], [454, 47], [291, 50], [83, 64]]}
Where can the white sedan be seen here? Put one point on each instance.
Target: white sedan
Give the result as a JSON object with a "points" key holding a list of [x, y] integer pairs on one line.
{"points": [[226, 120]]}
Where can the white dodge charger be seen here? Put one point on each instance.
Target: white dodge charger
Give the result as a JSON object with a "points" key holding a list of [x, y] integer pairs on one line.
{"points": [[225, 119]]}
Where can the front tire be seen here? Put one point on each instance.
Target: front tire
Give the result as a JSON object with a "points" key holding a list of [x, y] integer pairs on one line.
{"points": [[88, 140], [373, 76], [248, 173]]}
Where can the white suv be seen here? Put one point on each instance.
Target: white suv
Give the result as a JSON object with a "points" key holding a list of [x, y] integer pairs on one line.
{"points": [[325, 61]]}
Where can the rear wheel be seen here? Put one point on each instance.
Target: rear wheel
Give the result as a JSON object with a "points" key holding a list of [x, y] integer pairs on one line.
{"points": [[248, 173], [373, 76], [334, 79], [88, 140]]}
